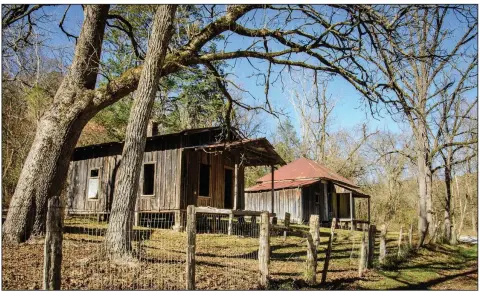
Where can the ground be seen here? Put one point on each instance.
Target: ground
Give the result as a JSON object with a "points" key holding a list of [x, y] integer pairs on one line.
{"points": [[230, 262]]}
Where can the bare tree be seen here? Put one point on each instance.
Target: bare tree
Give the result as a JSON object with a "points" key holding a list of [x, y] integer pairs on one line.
{"points": [[314, 107], [454, 126], [389, 175], [77, 100], [118, 239], [411, 47], [327, 38]]}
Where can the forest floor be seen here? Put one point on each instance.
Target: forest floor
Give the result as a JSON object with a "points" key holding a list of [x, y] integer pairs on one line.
{"points": [[230, 262]]}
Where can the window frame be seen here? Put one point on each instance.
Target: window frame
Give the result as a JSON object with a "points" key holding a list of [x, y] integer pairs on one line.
{"points": [[143, 181], [233, 184], [317, 197], [209, 179], [98, 184]]}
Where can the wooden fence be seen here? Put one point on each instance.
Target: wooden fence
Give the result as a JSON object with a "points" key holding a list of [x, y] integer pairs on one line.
{"points": [[53, 245]]}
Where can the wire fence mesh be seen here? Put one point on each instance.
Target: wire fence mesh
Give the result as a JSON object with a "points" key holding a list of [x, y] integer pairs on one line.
{"points": [[155, 259], [227, 252], [227, 248]]}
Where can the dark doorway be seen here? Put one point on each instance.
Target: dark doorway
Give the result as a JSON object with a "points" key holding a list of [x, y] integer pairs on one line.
{"points": [[228, 188]]}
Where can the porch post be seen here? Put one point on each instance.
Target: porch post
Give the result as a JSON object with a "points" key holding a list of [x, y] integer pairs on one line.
{"points": [[351, 210], [368, 210], [273, 190], [325, 199], [235, 189]]}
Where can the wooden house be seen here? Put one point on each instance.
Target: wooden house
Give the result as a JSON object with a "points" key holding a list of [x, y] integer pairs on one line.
{"points": [[198, 167], [303, 188]]}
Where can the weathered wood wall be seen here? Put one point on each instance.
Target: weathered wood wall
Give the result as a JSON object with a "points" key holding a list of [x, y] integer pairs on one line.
{"points": [[176, 172], [286, 200], [300, 202], [344, 211], [218, 162], [310, 206], [78, 184], [166, 185]]}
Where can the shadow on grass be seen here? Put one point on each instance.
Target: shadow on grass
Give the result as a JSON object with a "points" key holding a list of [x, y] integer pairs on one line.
{"points": [[431, 283], [93, 231], [297, 284]]}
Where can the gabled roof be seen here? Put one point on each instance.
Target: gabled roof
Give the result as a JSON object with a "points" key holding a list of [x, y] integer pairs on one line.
{"points": [[255, 152], [301, 172]]}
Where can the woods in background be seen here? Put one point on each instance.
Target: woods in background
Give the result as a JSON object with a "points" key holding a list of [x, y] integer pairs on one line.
{"points": [[406, 60]]}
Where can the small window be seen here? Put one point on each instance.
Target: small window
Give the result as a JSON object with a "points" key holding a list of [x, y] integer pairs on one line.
{"points": [[93, 184], [204, 188], [148, 179], [317, 197]]}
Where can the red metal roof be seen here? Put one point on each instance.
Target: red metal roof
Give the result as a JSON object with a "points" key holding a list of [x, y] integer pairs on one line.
{"points": [[304, 168], [281, 185]]}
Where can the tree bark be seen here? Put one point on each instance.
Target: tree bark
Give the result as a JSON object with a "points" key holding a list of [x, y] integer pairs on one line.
{"points": [[424, 183], [447, 225], [118, 239], [58, 130], [75, 103]]}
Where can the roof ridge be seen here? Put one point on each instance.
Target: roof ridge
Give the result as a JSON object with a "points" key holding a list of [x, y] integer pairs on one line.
{"points": [[304, 168]]}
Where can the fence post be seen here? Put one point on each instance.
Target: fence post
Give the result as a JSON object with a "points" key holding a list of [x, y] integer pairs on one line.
{"points": [[383, 245], [363, 251], [286, 222], [410, 234], [329, 250], [313, 239], [178, 224], [315, 229], [264, 249], [371, 245], [400, 237], [230, 224], [52, 262], [191, 242], [311, 264]]}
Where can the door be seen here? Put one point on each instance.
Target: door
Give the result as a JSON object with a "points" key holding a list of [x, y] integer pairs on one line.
{"points": [[228, 200]]}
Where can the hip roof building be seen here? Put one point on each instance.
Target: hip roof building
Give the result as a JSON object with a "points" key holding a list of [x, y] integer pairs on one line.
{"points": [[305, 187]]}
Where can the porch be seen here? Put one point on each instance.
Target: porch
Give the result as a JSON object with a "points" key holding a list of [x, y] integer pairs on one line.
{"points": [[352, 210]]}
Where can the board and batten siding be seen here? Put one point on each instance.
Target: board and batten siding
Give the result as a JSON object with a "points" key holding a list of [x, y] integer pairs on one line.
{"points": [[285, 200], [300, 202], [166, 182], [77, 187], [217, 162]]}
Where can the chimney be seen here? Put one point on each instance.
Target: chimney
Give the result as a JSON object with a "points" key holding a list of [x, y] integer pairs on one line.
{"points": [[152, 128]]}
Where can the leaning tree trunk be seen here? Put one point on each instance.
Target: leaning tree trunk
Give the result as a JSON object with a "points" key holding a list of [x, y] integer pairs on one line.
{"points": [[46, 167], [118, 237]]}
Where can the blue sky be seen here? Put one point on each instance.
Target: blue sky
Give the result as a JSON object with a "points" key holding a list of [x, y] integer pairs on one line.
{"points": [[350, 109]]}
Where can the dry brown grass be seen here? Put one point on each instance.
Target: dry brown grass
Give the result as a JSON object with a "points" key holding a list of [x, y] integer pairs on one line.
{"points": [[230, 262]]}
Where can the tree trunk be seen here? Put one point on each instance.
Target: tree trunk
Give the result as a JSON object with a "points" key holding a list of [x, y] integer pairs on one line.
{"points": [[422, 196], [46, 167], [447, 225], [424, 183], [118, 240]]}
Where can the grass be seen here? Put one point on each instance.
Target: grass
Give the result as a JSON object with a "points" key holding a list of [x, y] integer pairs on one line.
{"points": [[230, 262]]}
